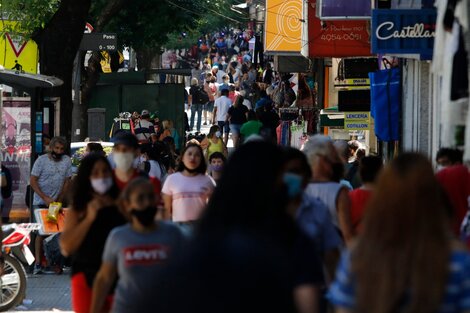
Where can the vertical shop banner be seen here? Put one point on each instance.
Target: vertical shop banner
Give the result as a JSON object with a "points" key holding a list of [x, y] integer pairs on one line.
{"points": [[399, 32], [16, 148], [16, 52], [283, 26], [335, 38]]}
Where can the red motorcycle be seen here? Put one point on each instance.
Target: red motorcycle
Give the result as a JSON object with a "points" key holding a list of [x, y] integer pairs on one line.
{"points": [[16, 253]]}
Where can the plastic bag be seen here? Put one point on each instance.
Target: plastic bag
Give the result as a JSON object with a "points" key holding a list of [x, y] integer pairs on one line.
{"points": [[385, 96], [53, 213]]}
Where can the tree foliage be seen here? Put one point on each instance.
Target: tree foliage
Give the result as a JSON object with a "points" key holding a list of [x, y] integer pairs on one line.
{"points": [[147, 23], [210, 16], [32, 15]]}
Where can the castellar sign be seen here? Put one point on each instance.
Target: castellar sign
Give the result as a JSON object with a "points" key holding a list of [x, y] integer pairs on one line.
{"points": [[332, 38], [399, 32]]}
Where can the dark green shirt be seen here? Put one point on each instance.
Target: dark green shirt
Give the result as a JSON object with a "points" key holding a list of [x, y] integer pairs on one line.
{"points": [[251, 128]]}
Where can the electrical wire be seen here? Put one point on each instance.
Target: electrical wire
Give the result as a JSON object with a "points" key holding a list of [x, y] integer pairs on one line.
{"points": [[202, 14], [281, 3], [288, 16]]}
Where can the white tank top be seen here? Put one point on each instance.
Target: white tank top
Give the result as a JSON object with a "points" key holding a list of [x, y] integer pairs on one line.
{"points": [[327, 192]]}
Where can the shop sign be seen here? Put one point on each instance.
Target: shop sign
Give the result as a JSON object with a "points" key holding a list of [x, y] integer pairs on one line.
{"points": [[283, 26], [334, 38], [404, 32], [353, 83], [344, 9], [16, 148], [357, 120]]}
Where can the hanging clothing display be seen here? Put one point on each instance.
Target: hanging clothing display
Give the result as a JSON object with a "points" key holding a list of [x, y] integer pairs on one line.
{"points": [[309, 118], [298, 134], [294, 128], [450, 65], [283, 133]]}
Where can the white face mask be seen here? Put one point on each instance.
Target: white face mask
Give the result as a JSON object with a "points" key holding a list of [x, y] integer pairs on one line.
{"points": [[218, 134], [124, 160], [101, 185]]}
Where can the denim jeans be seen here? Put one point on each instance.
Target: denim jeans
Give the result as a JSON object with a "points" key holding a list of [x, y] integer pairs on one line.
{"points": [[196, 108]]}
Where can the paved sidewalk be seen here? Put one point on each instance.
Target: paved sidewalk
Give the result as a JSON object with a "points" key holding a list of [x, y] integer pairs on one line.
{"points": [[47, 293]]}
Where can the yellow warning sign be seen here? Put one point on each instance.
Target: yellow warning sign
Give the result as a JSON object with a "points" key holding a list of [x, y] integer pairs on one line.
{"points": [[17, 53]]}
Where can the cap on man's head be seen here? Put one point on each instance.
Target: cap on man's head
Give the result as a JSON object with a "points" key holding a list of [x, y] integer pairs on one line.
{"points": [[145, 112], [126, 139]]}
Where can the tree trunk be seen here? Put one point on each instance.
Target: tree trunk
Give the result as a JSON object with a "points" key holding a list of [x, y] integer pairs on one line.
{"points": [[58, 44], [148, 58]]}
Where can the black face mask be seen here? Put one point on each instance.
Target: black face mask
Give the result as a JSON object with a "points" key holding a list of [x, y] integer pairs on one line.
{"points": [[57, 156], [189, 170], [338, 171], [146, 217]]}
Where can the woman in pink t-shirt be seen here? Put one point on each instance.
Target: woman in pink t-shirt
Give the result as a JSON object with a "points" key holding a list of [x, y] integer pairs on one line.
{"points": [[186, 192]]}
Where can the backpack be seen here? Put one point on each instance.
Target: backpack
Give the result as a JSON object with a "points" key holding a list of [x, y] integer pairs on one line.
{"points": [[202, 96], [279, 95]]}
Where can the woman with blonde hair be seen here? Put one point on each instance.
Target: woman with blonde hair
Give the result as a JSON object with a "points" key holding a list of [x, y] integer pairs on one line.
{"points": [[406, 259], [169, 130]]}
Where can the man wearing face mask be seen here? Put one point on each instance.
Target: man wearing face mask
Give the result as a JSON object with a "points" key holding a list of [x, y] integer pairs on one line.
{"points": [[310, 214], [125, 152], [49, 180], [326, 170]]}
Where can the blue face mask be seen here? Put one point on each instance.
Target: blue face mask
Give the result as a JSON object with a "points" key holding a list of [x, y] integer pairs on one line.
{"points": [[293, 183]]}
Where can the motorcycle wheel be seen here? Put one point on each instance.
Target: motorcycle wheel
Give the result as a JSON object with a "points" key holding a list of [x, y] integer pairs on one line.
{"points": [[12, 284]]}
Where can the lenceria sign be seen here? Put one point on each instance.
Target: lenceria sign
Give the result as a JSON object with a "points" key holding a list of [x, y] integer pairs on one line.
{"points": [[399, 32]]}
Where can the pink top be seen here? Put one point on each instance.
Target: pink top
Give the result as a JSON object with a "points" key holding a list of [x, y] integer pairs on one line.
{"points": [[189, 195]]}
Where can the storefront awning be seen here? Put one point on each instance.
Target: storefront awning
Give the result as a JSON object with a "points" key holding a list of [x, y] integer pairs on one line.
{"points": [[330, 117]]}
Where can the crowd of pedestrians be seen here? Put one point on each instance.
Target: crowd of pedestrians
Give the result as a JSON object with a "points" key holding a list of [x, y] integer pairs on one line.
{"points": [[229, 90], [164, 225], [167, 225], [268, 229]]}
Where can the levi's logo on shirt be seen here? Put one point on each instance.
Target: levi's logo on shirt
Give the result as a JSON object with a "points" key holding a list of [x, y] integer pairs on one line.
{"points": [[145, 255]]}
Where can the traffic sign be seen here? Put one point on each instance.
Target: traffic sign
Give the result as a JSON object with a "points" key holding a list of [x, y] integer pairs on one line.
{"points": [[99, 42], [17, 52]]}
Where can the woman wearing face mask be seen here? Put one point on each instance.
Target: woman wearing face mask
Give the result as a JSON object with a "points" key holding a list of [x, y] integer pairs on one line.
{"points": [[247, 254], [136, 252], [92, 215], [214, 143], [186, 192]]}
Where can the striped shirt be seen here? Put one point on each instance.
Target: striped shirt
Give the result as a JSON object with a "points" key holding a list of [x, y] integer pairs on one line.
{"points": [[457, 293]]}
